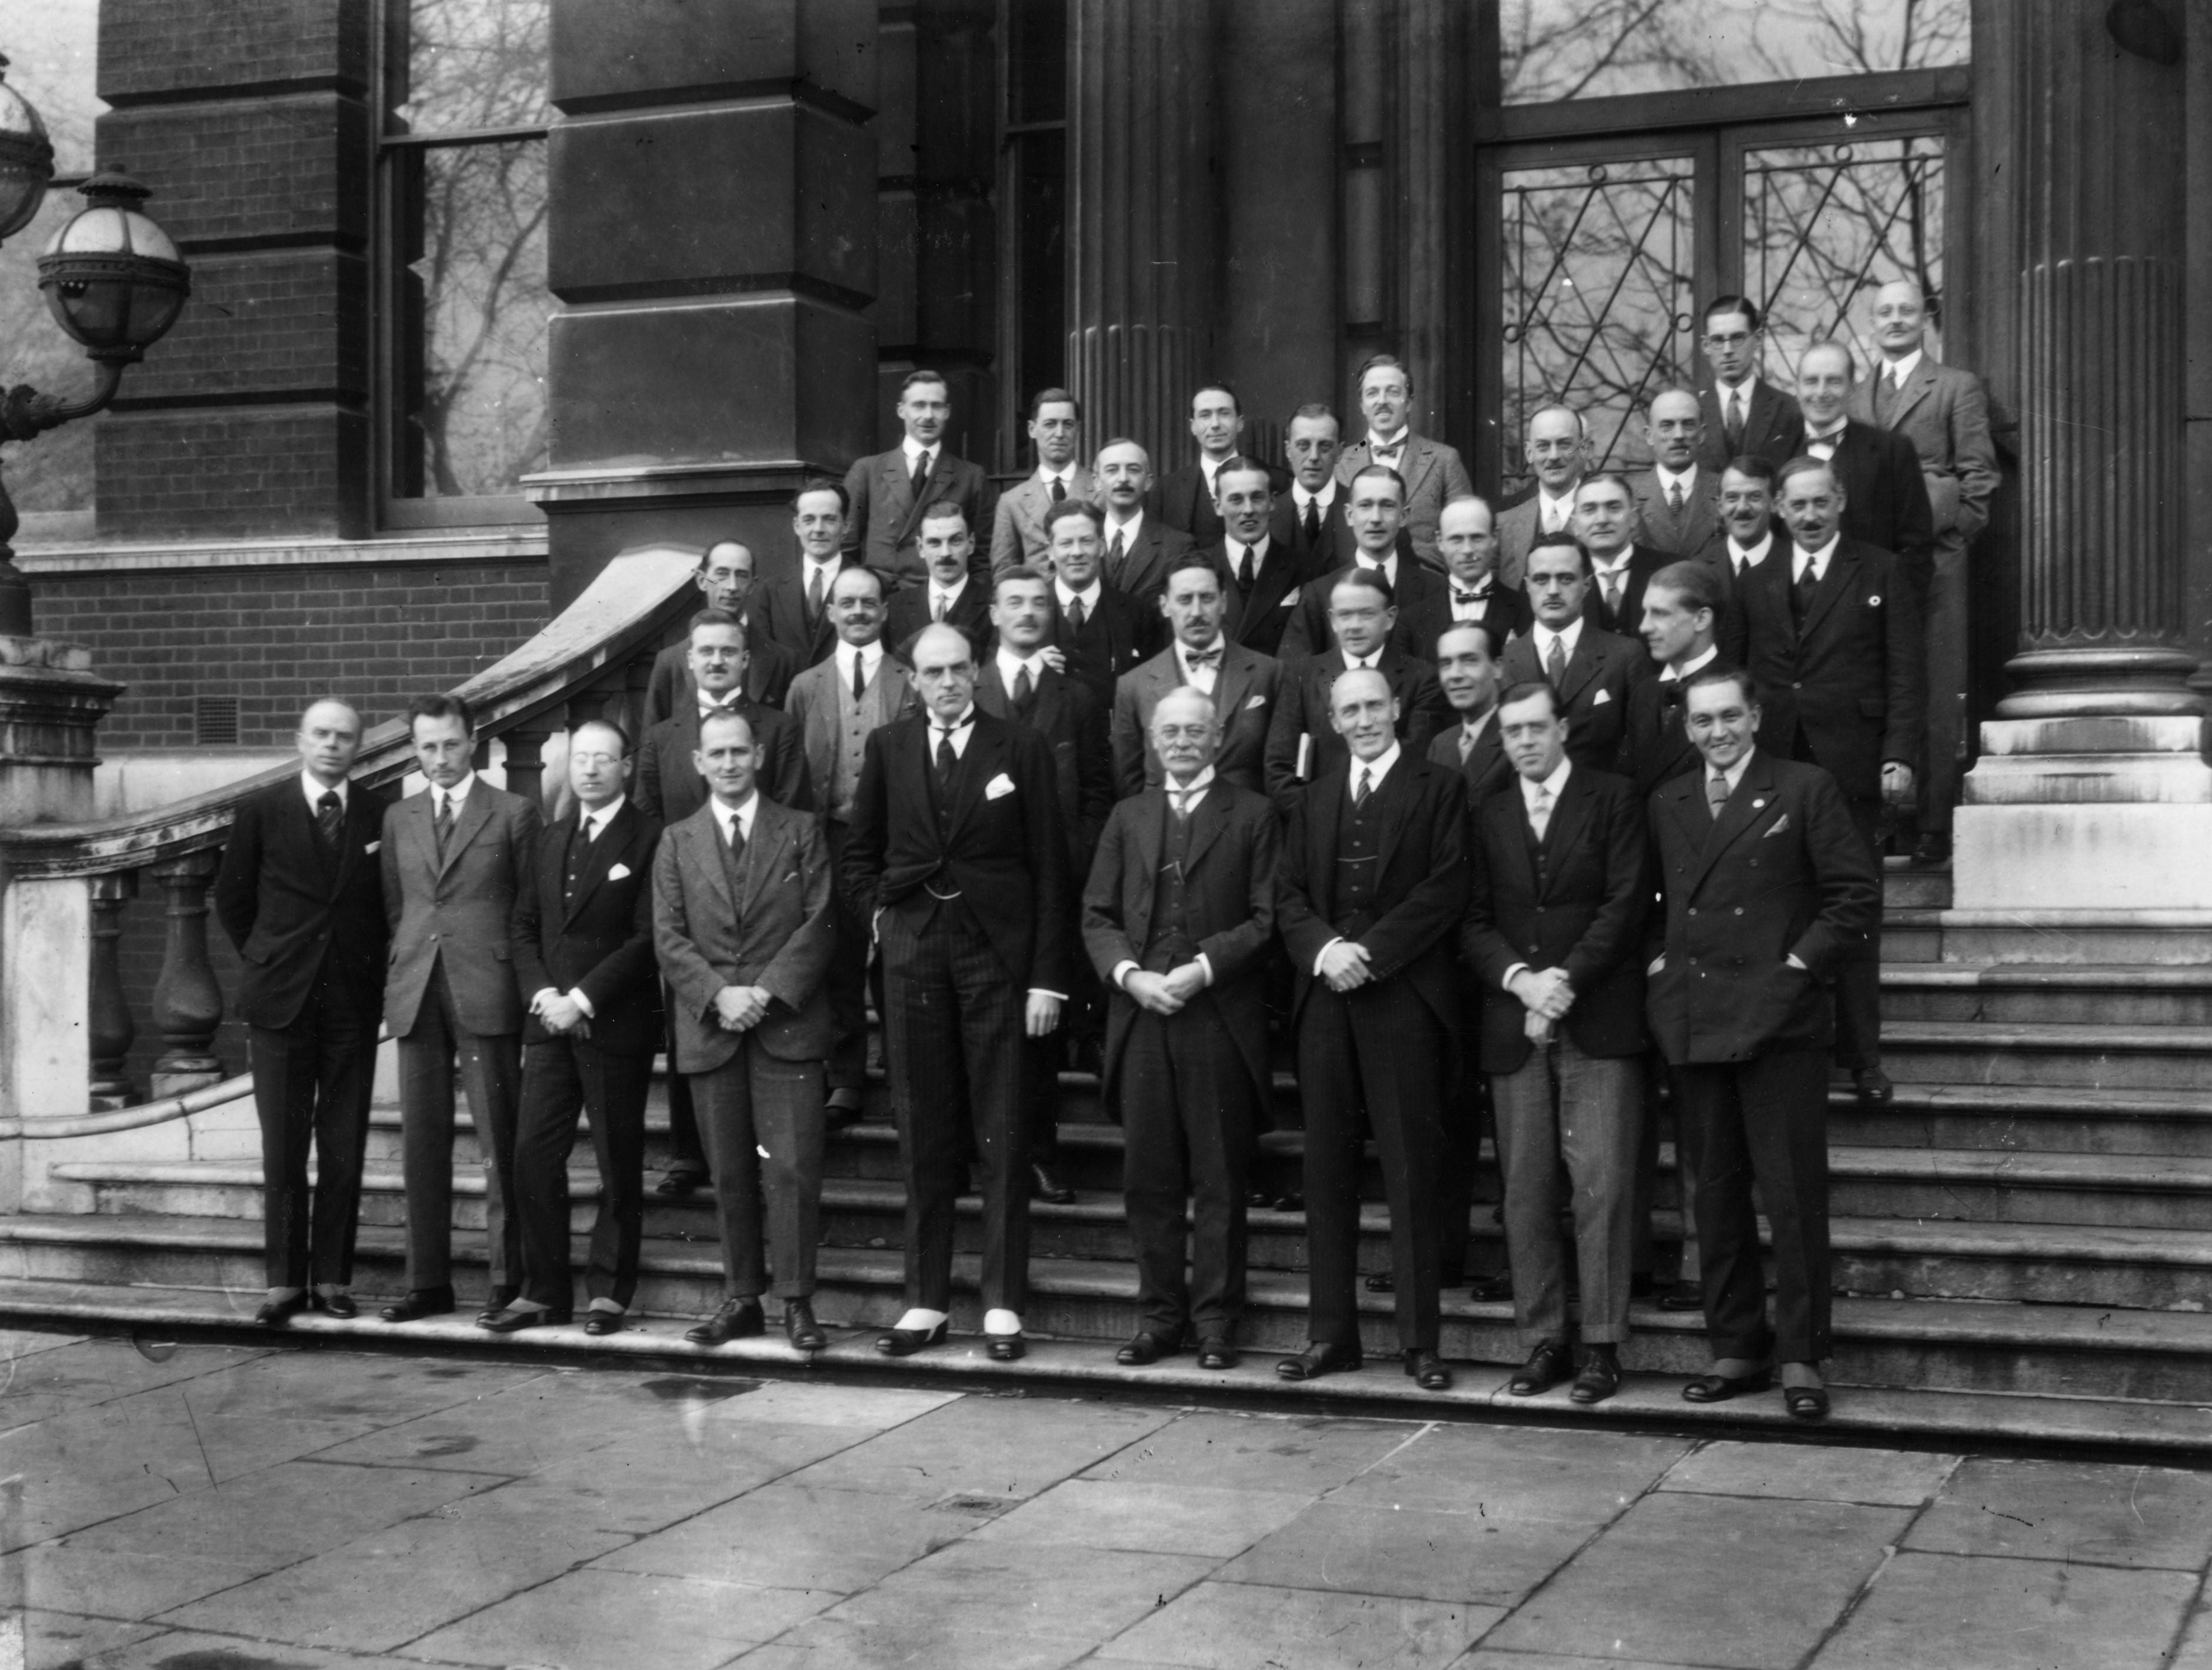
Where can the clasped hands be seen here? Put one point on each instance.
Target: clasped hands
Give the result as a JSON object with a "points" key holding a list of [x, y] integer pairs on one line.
{"points": [[1548, 995], [1163, 994], [559, 1014], [739, 1009]]}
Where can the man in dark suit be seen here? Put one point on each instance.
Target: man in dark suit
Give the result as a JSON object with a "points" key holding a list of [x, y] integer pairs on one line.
{"points": [[1473, 594], [838, 705], [1605, 521], [1374, 509], [1020, 684], [1307, 520], [669, 787], [454, 859], [1179, 918], [583, 951], [1768, 887], [1021, 532], [957, 851], [743, 921], [1243, 684], [1879, 471], [1303, 745], [1099, 630], [954, 593], [1835, 642], [1678, 500], [1748, 536], [726, 582], [1190, 497], [888, 491], [1681, 610], [793, 608], [1263, 572], [1557, 452], [1593, 670], [1140, 548], [1373, 884], [300, 894], [1742, 412], [1432, 472], [1944, 412], [1554, 932]]}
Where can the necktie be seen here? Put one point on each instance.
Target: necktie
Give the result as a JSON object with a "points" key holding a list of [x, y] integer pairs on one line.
{"points": [[947, 759], [1180, 800], [1716, 793], [1675, 495], [860, 677], [936, 607], [1311, 527], [814, 595], [920, 473], [1024, 691], [1800, 595], [329, 817], [1115, 553], [1059, 490], [1555, 664], [1540, 814], [1361, 789], [1609, 583], [1075, 614], [1466, 744], [442, 825], [1244, 571], [590, 829], [736, 838], [1735, 418]]}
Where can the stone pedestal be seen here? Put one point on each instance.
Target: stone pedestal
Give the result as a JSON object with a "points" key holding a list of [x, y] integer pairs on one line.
{"points": [[51, 705]]}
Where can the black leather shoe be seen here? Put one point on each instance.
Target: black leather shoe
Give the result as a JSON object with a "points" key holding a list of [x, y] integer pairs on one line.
{"points": [[1492, 1289], [1427, 1370], [1547, 1365], [1719, 1388], [511, 1320], [905, 1342], [1806, 1403], [600, 1323], [739, 1319], [1380, 1282], [1008, 1347], [278, 1311], [1291, 1200], [1874, 1087], [1257, 1199], [340, 1305], [1599, 1380], [1046, 1183], [680, 1185], [1318, 1360], [1145, 1348], [423, 1302], [1685, 1297], [800, 1328], [500, 1298], [1215, 1352]]}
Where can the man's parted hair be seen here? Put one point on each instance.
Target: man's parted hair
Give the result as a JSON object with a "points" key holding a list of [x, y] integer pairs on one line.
{"points": [[1045, 397], [1374, 361], [713, 618], [1366, 470], [924, 376], [1217, 387], [1803, 463], [1751, 464], [441, 707], [1562, 537], [621, 736], [1360, 577], [1529, 690], [1020, 571], [1613, 476], [1716, 673], [844, 498], [945, 509], [1074, 507], [1693, 582]]}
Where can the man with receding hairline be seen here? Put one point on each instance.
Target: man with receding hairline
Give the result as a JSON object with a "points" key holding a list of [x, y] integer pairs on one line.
{"points": [[1557, 448], [793, 607], [1139, 544], [726, 582], [1473, 593], [300, 895], [1885, 495], [1678, 500]]}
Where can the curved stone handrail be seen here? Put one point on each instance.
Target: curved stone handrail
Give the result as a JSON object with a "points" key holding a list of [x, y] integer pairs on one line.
{"points": [[622, 612], [201, 1101]]}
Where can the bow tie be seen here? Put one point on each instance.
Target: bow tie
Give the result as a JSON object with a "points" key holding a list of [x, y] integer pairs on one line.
{"points": [[1459, 596], [1202, 657]]}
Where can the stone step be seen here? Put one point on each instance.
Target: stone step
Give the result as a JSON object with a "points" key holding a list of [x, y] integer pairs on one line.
{"points": [[2136, 995], [1907, 886], [2019, 1118], [2049, 1055], [2045, 1349], [1911, 934], [1954, 1418]]}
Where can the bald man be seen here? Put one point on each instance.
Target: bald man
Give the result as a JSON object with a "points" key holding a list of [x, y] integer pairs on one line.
{"points": [[1557, 452], [301, 896], [1879, 472], [1473, 594]]}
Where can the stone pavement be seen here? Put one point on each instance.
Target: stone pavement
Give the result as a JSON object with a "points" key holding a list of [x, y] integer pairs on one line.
{"points": [[208, 1506]]}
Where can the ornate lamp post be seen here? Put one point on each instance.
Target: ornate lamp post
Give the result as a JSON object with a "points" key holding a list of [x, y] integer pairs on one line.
{"points": [[113, 280]]}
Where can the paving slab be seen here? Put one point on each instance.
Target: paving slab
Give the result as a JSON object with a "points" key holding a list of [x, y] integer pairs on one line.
{"points": [[1482, 1658], [1555, 1474], [41, 1384], [1362, 1548], [1735, 1582], [134, 1584], [2078, 1511], [62, 1641], [1245, 1626], [873, 1408], [1153, 1519], [1309, 1454], [1965, 1613], [597, 1619], [1813, 1473], [782, 1536], [2194, 1652], [1050, 1588], [985, 1446], [822, 1644], [192, 1649]]}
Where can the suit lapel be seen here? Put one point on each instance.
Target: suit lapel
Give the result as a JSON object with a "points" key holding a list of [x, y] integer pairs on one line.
{"points": [[1754, 796], [1229, 689], [600, 856], [985, 754], [474, 813], [763, 852], [1205, 822], [703, 837], [1843, 571], [1582, 666], [1569, 816], [1045, 713], [990, 694], [1396, 799]]}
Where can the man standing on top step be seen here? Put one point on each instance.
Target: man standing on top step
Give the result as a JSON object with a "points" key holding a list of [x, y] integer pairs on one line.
{"points": [[300, 895]]}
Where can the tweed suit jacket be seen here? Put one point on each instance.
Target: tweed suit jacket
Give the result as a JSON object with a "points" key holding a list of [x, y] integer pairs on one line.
{"points": [[1244, 696], [457, 911], [815, 703], [1435, 476], [1944, 412], [1018, 529], [885, 528]]}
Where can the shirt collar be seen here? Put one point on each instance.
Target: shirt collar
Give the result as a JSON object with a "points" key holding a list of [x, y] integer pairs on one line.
{"points": [[315, 790], [458, 794], [1387, 567], [1834, 431], [1128, 530], [1210, 468], [960, 726], [1820, 559], [742, 816], [951, 594], [1734, 773], [1372, 662], [914, 449], [1376, 769], [870, 654], [834, 560], [594, 824], [1619, 564], [1475, 727], [1751, 556], [1197, 787], [1570, 635], [1391, 443], [1010, 664], [729, 703], [1697, 664], [1064, 475], [1258, 548], [1324, 498], [1066, 592], [1725, 389], [1899, 370], [1668, 479], [1553, 784]]}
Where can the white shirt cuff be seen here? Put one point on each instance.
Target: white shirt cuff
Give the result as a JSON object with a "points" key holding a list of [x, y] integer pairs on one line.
{"points": [[583, 1003], [1057, 997], [1323, 952], [1122, 970], [1206, 967]]}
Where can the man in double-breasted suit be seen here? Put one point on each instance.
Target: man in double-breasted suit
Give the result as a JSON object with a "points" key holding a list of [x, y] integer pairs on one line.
{"points": [[583, 954], [1432, 472], [1242, 683], [1835, 642], [957, 853], [1303, 745], [888, 491], [1554, 932], [1140, 547], [1179, 917], [1100, 630], [954, 591], [1742, 412], [1885, 493], [726, 583], [455, 858], [1593, 670], [1943, 412], [669, 787], [743, 921], [1018, 533], [1472, 593], [1678, 500], [1374, 509], [1557, 448], [792, 608], [839, 704], [1768, 887], [1262, 573], [300, 895], [1019, 683], [1373, 883]]}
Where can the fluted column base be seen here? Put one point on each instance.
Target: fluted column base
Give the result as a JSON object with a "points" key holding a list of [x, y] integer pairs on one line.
{"points": [[1137, 381]]}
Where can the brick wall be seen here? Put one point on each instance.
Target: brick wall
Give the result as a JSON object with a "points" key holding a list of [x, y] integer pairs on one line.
{"points": [[277, 638]]}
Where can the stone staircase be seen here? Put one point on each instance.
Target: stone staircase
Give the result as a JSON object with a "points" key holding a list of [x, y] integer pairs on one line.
{"points": [[2020, 1241]]}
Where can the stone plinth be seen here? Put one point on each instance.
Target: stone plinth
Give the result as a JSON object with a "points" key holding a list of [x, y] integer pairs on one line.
{"points": [[51, 705]]}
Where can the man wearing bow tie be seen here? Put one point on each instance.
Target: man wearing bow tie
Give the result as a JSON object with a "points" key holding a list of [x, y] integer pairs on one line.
{"points": [[726, 582], [1878, 472], [1742, 412], [1556, 450], [1432, 472], [890, 492], [1243, 684], [1473, 594], [300, 895], [583, 950], [953, 592], [1019, 535]]}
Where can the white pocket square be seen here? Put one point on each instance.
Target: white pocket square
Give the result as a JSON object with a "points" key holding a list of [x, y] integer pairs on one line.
{"points": [[371, 846], [1600, 699], [1256, 702], [617, 872], [1000, 785], [1780, 824], [1290, 601]]}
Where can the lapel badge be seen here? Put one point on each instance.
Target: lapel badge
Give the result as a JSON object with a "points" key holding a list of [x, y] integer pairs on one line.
{"points": [[1758, 805]]}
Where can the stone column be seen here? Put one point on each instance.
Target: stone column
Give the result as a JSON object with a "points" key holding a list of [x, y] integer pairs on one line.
{"points": [[2092, 792], [1145, 185]]}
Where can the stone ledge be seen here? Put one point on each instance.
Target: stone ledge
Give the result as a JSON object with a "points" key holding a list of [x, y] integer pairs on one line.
{"points": [[470, 545]]}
